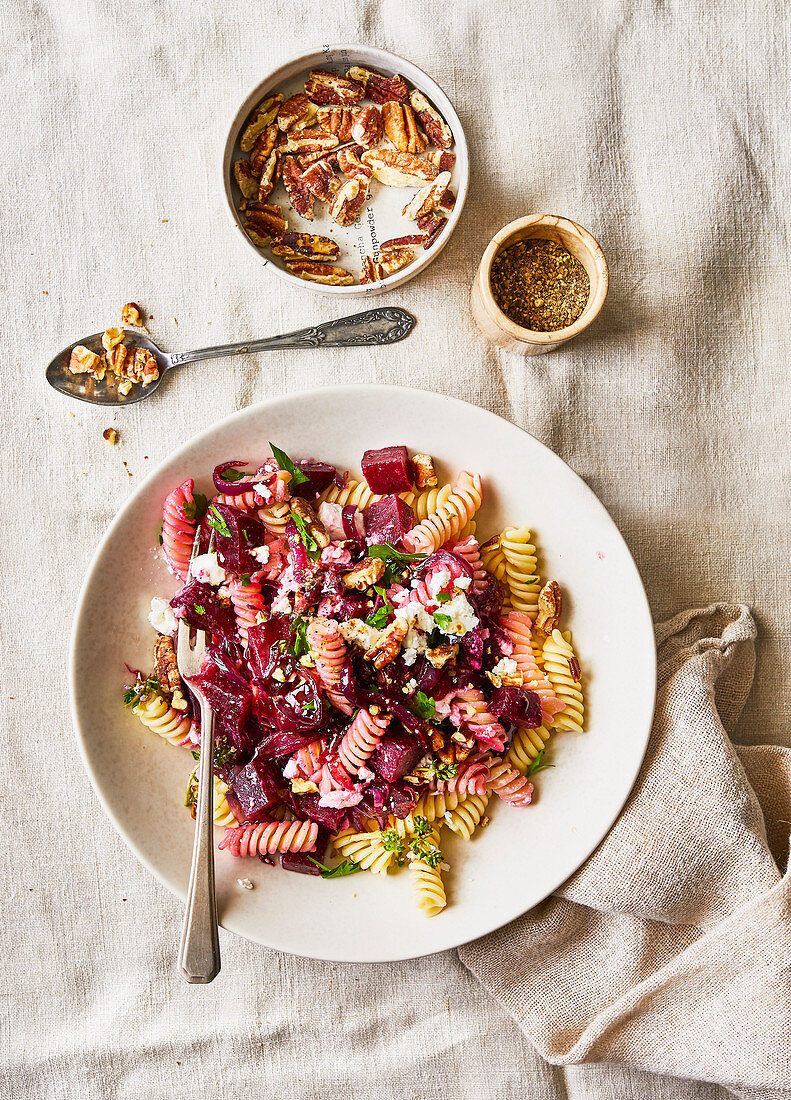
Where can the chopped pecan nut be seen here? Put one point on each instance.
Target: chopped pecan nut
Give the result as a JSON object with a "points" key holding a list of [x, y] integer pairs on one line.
{"points": [[269, 176], [263, 222], [145, 367], [392, 260], [387, 648], [350, 164], [364, 574], [314, 526], [440, 656], [132, 314], [111, 337], [84, 361], [296, 111], [448, 200], [425, 475], [324, 87], [408, 241], [309, 141], [349, 200], [264, 144], [367, 126], [433, 123], [263, 117], [550, 602], [116, 359], [166, 667], [316, 272], [431, 225], [427, 198], [336, 120], [397, 169], [307, 246], [300, 195], [322, 181], [245, 180], [371, 271], [380, 88], [402, 129], [441, 159], [506, 679], [110, 435]]}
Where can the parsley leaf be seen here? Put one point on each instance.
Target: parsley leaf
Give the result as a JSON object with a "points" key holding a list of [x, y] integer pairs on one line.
{"points": [[200, 609], [194, 510], [442, 621], [310, 543], [423, 705], [387, 552], [218, 523], [443, 597], [345, 868], [285, 463], [245, 579], [299, 642], [378, 618], [233, 475], [537, 765]]}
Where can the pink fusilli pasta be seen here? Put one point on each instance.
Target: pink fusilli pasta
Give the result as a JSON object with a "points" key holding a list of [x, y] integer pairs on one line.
{"points": [[247, 601], [469, 712], [268, 837], [360, 740], [513, 787], [519, 626], [328, 650], [472, 777], [450, 519], [178, 530], [469, 550]]}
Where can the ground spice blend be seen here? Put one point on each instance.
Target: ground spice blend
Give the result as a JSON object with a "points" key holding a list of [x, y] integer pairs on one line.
{"points": [[539, 285]]}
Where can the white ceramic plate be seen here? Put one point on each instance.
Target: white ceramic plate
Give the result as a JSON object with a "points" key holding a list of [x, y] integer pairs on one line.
{"points": [[524, 854], [381, 220]]}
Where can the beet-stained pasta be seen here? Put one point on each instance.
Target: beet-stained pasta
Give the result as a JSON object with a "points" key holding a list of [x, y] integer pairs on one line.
{"points": [[377, 670]]}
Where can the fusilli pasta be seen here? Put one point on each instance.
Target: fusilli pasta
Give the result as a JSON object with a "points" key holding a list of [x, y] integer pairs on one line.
{"points": [[558, 651], [178, 530], [521, 568], [468, 815], [156, 714], [367, 849], [268, 837], [446, 524]]}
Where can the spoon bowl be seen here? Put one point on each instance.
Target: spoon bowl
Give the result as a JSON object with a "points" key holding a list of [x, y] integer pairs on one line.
{"points": [[386, 325]]}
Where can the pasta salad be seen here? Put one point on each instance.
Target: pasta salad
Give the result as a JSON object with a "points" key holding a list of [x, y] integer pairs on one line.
{"points": [[376, 671]]}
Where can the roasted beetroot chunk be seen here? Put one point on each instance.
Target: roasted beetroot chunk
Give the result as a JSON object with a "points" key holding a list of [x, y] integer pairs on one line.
{"points": [[387, 520], [395, 756], [236, 533], [307, 806], [302, 862], [388, 470], [200, 606], [319, 475], [517, 705], [257, 790]]}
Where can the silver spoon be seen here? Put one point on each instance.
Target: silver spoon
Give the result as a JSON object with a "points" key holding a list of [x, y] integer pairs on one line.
{"points": [[386, 325]]}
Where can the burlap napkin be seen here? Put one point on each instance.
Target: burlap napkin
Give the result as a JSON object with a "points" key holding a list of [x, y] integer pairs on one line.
{"points": [[670, 949]]}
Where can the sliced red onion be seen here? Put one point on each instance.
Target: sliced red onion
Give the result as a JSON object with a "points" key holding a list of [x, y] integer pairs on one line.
{"points": [[230, 488], [349, 514], [444, 557]]}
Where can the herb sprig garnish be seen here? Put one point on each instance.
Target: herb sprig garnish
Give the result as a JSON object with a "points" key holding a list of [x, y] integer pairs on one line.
{"points": [[378, 618], [285, 463], [310, 543], [538, 765], [392, 842], [140, 689], [387, 552], [422, 844], [343, 869], [298, 645], [218, 523], [223, 754], [439, 769], [423, 705], [194, 510]]}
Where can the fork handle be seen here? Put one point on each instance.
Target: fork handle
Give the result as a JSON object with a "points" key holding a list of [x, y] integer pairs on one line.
{"points": [[199, 954]]}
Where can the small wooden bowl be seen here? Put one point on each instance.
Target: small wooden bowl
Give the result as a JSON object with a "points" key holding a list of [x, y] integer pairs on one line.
{"points": [[500, 329]]}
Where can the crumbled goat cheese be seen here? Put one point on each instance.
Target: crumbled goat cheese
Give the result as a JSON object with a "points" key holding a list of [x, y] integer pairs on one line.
{"points": [[505, 667], [161, 616], [463, 583], [281, 605], [365, 774], [338, 800], [461, 614], [439, 581], [291, 768], [360, 633], [261, 554], [263, 492], [338, 555], [245, 883], [207, 569]]}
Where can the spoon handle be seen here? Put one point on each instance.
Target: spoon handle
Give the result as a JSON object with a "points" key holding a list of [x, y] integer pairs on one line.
{"points": [[385, 325]]}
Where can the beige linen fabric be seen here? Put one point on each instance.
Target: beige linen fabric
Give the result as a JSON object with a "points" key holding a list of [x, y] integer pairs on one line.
{"points": [[674, 939], [660, 126]]}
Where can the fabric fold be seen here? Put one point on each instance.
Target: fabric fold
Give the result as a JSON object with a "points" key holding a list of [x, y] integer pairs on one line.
{"points": [[670, 949]]}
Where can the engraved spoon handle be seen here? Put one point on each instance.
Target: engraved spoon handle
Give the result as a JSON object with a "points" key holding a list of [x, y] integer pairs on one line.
{"points": [[385, 325], [199, 954]]}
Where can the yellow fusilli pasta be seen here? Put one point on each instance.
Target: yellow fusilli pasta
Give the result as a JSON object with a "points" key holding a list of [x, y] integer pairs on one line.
{"points": [[432, 805], [526, 744], [366, 849], [156, 714], [428, 502], [558, 651], [521, 568], [357, 493], [467, 816], [427, 888]]}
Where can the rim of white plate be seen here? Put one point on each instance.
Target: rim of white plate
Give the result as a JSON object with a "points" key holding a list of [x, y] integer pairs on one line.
{"points": [[641, 734]]}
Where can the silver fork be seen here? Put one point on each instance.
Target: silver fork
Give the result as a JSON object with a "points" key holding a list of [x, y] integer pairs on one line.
{"points": [[199, 953]]}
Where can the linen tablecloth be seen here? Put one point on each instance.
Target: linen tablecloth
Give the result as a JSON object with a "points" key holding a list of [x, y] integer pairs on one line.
{"points": [[659, 126]]}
